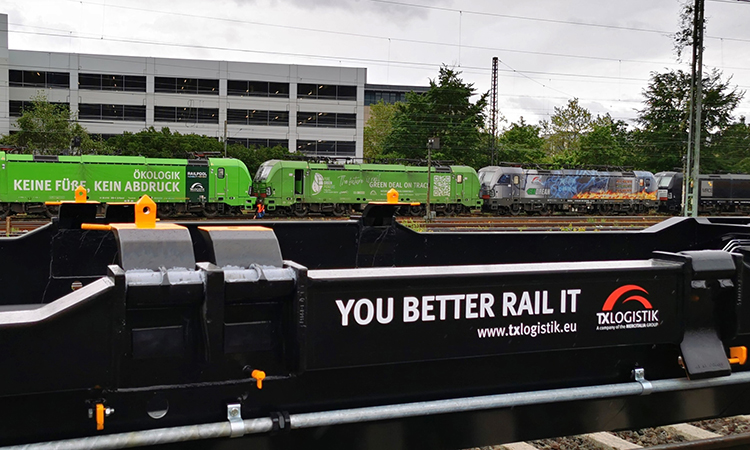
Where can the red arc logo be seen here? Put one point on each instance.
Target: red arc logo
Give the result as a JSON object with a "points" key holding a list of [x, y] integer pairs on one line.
{"points": [[617, 294]]}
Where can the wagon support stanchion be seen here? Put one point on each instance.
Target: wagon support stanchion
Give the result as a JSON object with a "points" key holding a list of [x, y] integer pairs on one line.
{"points": [[432, 143]]}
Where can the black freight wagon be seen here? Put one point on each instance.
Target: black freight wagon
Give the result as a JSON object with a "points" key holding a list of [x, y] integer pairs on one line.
{"points": [[363, 333]]}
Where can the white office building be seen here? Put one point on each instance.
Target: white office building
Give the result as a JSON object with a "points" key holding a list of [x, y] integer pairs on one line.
{"points": [[313, 109]]}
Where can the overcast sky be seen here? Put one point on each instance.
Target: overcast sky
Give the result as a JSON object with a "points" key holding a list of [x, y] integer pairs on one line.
{"points": [[600, 51]]}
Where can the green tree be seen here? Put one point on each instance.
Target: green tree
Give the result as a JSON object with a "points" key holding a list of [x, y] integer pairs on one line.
{"points": [[445, 111], [522, 143], [564, 130], [608, 143], [664, 119], [164, 143], [378, 128], [46, 128], [728, 151]]}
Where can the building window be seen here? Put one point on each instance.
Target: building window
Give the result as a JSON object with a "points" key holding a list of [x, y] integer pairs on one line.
{"points": [[168, 85], [34, 78], [243, 88], [106, 82], [258, 117], [270, 143], [18, 106], [184, 114], [326, 91], [94, 111], [326, 120], [372, 97], [208, 115], [327, 148], [102, 136]]}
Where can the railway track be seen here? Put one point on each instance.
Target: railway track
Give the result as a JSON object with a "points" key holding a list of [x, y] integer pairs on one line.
{"points": [[548, 223], [14, 226], [725, 433]]}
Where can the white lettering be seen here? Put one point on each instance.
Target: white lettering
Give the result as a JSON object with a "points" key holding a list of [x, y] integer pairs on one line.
{"points": [[411, 309], [389, 311], [471, 306], [426, 308], [364, 320], [486, 302], [509, 303], [345, 309]]}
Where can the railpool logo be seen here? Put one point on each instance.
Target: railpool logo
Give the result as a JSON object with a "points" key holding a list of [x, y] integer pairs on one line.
{"points": [[614, 317]]}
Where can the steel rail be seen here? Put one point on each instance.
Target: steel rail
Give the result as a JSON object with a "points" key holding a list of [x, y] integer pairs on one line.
{"points": [[386, 412]]}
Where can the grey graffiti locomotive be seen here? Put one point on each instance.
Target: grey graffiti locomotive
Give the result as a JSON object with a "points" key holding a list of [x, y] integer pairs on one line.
{"points": [[514, 189]]}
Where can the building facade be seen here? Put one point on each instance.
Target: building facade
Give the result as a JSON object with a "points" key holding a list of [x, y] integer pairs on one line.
{"points": [[312, 109]]}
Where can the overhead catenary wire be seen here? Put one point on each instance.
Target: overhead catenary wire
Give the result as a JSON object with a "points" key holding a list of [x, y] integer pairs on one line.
{"points": [[532, 76]]}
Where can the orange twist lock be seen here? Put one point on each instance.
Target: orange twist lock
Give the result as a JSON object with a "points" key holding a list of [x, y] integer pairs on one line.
{"points": [[100, 410], [737, 355], [259, 376]]}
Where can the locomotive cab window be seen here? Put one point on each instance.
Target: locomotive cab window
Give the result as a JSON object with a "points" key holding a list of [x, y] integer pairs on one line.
{"points": [[516, 179], [459, 178], [505, 178], [220, 172]]}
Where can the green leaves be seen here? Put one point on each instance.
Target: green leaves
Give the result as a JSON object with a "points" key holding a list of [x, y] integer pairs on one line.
{"points": [[445, 111], [665, 119], [46, 128]]}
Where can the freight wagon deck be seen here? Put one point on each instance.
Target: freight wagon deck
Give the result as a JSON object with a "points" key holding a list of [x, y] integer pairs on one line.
{"points": [[363, 333]]}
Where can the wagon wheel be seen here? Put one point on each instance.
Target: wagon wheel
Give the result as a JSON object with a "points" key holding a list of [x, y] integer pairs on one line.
{"points": [[49, 211], [515, 209], [210, 210], [546, 210], [450, 210], [416, 210], [300, 210], [164, 210], [339, 210], [4, 210], [604, 209]]}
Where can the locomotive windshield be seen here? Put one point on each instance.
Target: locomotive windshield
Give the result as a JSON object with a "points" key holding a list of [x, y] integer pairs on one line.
{"points": [[263, 172], [485, 176], [664, 181]]}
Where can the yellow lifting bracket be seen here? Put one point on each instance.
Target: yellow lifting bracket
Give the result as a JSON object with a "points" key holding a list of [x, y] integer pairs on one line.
{"points": [[392, 199], [145, 218]]}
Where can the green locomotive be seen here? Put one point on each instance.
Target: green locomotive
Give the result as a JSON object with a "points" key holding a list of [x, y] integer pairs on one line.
{"points": [[302, 187], [205, 186]]}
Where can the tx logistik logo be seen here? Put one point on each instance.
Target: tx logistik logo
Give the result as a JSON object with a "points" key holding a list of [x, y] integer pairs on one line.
{"points": [[608, 319]]}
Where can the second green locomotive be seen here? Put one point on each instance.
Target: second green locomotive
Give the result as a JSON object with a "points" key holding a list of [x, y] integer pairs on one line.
{"points": [[301, 187]]}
